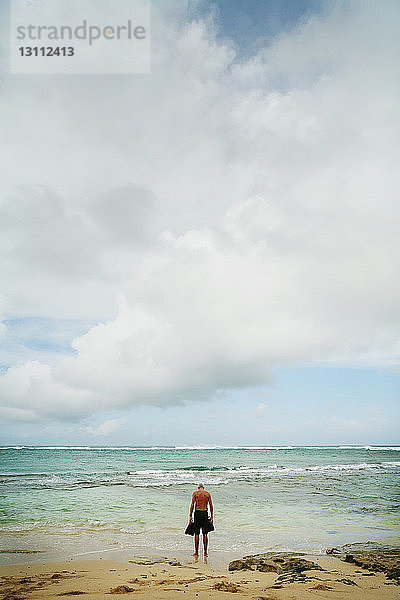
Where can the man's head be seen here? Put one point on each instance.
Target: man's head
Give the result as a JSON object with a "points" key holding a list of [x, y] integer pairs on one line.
{"points": [[200, 486]]}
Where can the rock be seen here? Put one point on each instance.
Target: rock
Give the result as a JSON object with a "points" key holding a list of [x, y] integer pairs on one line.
{"points": [[278, 562], [372, 557], [238, 565], [268, 566], [294, 577], [252, 560], [347, 581], [300, 564], [276, 556], [393, 573]]}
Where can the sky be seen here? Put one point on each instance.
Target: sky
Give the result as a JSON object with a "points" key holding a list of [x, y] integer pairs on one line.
{"points": [[207, 254]]}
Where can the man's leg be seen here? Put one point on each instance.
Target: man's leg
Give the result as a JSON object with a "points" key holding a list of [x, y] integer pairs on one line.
{"points": [[196, 545], [205, 543]]}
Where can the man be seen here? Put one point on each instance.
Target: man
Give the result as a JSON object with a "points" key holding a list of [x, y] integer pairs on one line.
{"points": [[200, 501]]}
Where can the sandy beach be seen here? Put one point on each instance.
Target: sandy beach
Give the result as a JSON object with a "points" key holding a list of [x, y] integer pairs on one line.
{"points": [[79, 523], [158, 578]]}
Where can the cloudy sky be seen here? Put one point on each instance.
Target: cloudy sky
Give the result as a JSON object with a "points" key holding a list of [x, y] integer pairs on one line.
{"points": [[207, 254]]}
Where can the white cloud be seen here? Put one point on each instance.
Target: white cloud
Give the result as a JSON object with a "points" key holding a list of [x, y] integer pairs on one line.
{"points": [[106, 428], [246, 212], [30, 389], [261, 410]]}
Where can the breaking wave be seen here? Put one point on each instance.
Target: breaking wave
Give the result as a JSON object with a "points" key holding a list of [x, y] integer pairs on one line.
{"points": [[179, 448], [183, 475]]}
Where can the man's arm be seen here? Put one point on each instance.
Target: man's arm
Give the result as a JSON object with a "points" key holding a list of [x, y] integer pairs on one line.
{"points": [[211, 508], [192, 506]]}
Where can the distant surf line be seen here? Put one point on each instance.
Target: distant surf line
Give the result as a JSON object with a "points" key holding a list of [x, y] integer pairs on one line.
{"points": [[174, 448]]}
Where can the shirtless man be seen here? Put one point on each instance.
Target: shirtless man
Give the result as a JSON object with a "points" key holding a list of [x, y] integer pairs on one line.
{"points": [[200, 501]]}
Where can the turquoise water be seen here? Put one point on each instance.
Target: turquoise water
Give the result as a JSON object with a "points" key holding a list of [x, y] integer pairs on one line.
{"points": [[68, 501]]}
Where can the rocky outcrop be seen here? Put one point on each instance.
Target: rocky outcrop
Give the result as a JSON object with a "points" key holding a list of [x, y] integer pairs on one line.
{"points": [[371, 556], [277, 562]]}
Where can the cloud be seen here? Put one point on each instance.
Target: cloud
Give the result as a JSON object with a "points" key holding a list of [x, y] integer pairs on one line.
{"points": [[260, 411], [243, 211], [215, 309], [71, 246], [30, 389], [106, 428]]}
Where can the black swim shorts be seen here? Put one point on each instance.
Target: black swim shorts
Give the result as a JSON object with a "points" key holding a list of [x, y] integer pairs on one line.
{"points": [[201, 521]]}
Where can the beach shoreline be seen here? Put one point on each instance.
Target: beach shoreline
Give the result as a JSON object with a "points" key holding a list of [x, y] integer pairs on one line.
{"points": [[218, 559], [154, 577]]}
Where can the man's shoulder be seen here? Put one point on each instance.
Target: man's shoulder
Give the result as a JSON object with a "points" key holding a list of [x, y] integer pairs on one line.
{"points": [[201, 493]]}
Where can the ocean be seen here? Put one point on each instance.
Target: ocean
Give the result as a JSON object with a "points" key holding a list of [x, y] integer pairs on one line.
{"points": [[84, 500]]}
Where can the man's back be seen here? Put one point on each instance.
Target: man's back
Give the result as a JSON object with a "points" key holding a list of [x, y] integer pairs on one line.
{"points": [[201, 499]]}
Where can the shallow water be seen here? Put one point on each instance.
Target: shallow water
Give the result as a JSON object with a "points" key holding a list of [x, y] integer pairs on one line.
{"points": [[73, 500]]}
